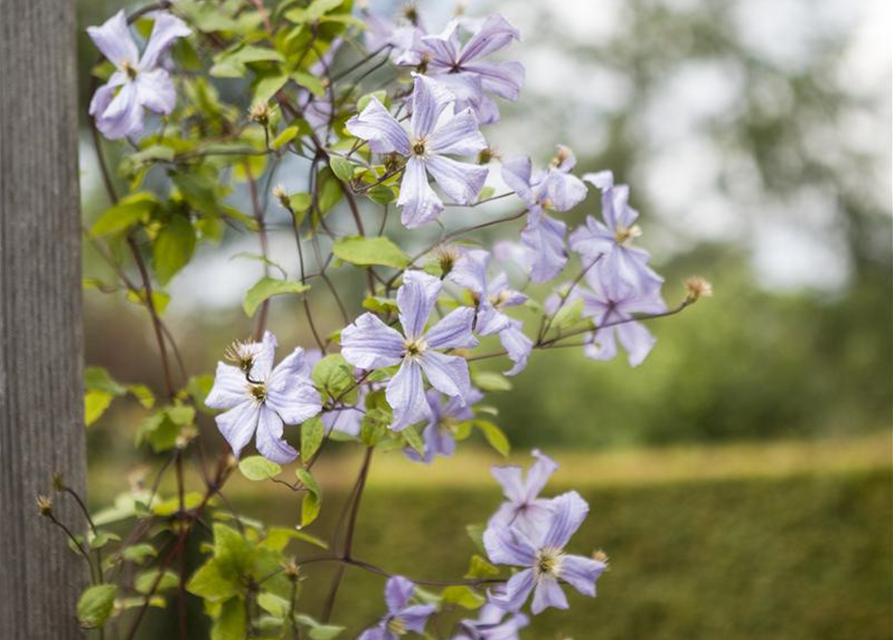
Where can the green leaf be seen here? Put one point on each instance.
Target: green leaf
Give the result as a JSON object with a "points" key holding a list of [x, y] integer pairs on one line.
{"points": [[463, 596], [312, 499], [494, 436], [143, 394], [490, 381], [380, 305], [101, 538], [131, 209], [173, 247], [95, 605], [313, 84], [476, 533], [139, 552], [318, 631], [95, 404], [380, 95], [169, 507], [288, 134], [231, 551], [266, 87], [381, 194], [146, 580], [160, 300], [258, 468], [273, 604], [278, 538], [230, 624], [97, 378], [480, 568], [365, 251], [330, 192], [342, 167], [231, 63], [312, 433], [568, 315], [414, 440], [207, 583], [267, 287], [334, 376]]}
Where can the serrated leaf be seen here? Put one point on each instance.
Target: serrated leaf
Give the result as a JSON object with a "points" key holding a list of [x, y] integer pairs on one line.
{"points": [[312, 432], [207, 583], [95, 605], [365, 251], [266, 288], [312, 499], [258, 468]]}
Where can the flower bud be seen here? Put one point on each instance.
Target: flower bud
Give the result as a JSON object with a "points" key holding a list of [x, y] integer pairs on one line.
{"points": [[260, 113], [291, 570], [281, 195], [487, 155]]}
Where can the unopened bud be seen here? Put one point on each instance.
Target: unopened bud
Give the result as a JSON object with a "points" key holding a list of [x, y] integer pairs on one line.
{"points": [[291, 570], [281, 195], [697, 288], [487, 155], [231, 462], [187, 435], [45, 505]]}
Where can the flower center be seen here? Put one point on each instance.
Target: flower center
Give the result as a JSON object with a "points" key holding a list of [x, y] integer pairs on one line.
{"points": [[415, 346], [397, 626], [499, 298], [258, 392], [548, 562], [129, 69], [418, 147], [625, 235]]}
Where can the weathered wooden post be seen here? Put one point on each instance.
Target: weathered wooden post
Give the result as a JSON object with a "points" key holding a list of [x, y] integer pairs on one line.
{"points": [[41, 412]]}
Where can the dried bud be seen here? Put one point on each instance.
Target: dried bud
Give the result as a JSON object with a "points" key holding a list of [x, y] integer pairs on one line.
{"points": [[291, 570], [697, 288], [45, 505], [241, 354], [260, 113], [281, 195], [392, 162], [187, 435], [486, 156], [411, 13], [561, 155], [446, 257], [600, 556], [58, 482]]}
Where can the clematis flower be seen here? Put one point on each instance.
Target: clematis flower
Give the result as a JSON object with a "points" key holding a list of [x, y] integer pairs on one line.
{"points": [[436, 132], [439, 434], [460, 66], [260, 399], [611, 303], [613, 239], [371, 344], [402, 36], [402, 616], [470, 271], [544, 559], [553, 189], [137, 82], [523, 507], [493, 623]]}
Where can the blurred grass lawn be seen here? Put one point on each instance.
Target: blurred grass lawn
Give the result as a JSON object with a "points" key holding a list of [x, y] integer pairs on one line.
{"points": [[787, 541]]}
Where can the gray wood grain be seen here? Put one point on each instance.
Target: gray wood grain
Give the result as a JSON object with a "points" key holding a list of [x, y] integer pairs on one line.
{"points": [[41, 411]]}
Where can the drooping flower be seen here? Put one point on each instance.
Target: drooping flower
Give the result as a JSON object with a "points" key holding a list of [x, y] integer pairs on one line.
{"points": [[611, 303], [401, 616], [544, 559], [439, 434], [553, 189], [612, 240], [462, 69], [260, 399], [436, 132], [523, 507], [493, 623], [137, 82], [470, 271], [371, 344]]}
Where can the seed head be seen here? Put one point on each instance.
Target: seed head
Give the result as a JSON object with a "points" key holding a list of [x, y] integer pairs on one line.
{"points": [[696, 288]]}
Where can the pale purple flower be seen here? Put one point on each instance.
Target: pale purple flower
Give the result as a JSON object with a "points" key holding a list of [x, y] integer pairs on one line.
{"points": [[436, 132], [612, 240], [371, 344], [402, 616], [493, 295], [402, 37], [462, 69], [552, 189], [260, 399], [523, 507], [611, 303], [493, 623], [544, 559], [439, 434], [137, 82]]}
